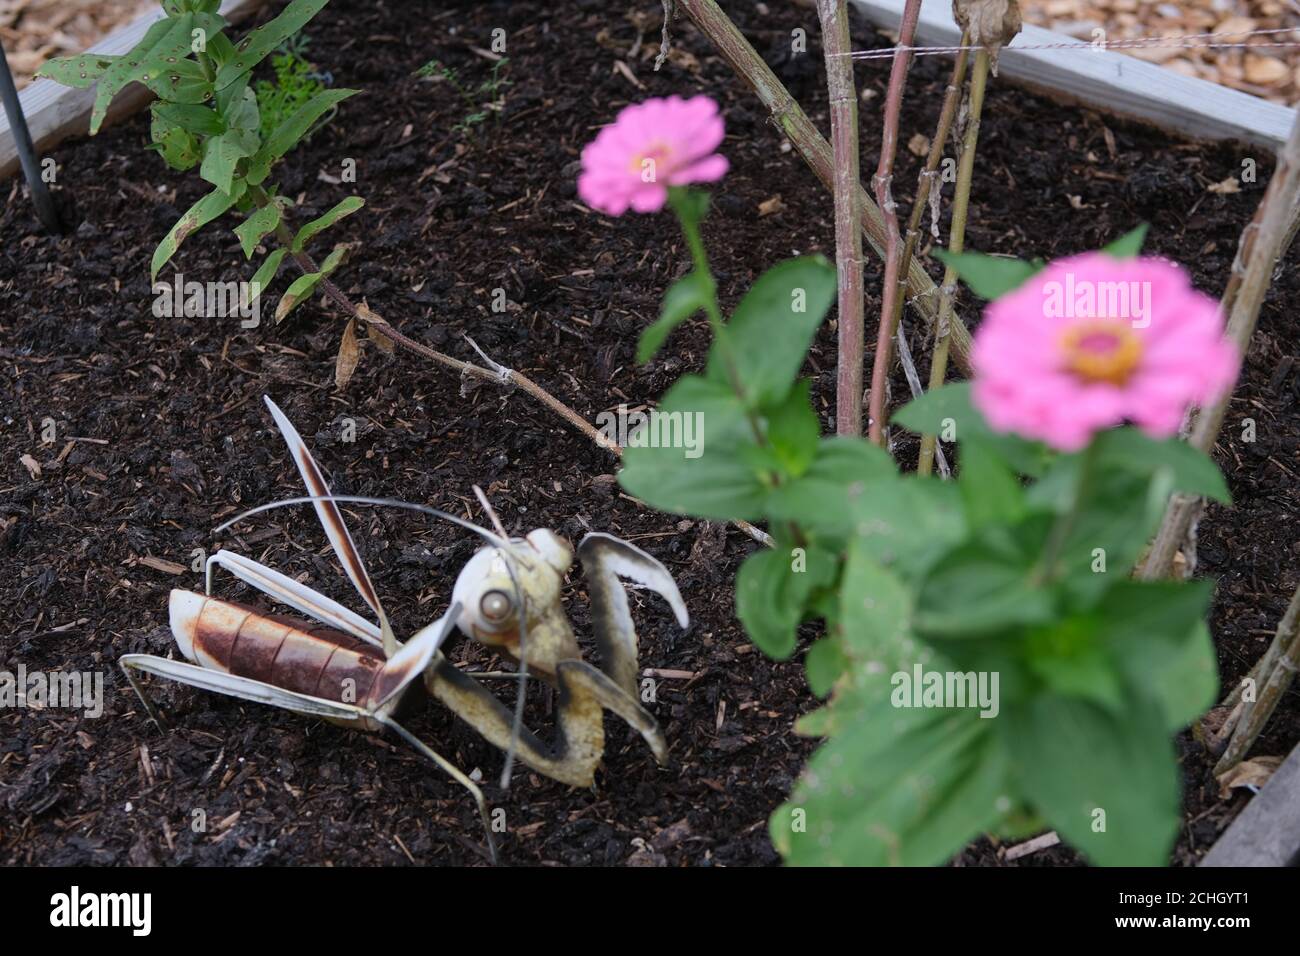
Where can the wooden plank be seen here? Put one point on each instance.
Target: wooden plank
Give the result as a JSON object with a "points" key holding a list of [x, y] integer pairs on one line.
{"points": [[1267, 832], [55, 112], [1111, 82]]}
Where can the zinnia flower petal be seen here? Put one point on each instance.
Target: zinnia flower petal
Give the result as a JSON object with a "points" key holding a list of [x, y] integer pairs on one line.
{"points": [[1093, 341], [652, 145]]}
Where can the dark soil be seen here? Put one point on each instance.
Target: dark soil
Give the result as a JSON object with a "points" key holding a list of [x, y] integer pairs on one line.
{"points": [[161, 433]]}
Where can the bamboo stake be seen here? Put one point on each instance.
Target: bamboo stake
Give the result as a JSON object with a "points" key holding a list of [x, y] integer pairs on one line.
{"points": [[816, 152], [883, 183], [956, 243], [927, 176], [1275, 679], [1271, 229], [834, 16]]}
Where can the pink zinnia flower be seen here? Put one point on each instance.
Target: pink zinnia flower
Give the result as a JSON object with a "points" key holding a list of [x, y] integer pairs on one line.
{"points": [[651, 146], [1093, 341]]}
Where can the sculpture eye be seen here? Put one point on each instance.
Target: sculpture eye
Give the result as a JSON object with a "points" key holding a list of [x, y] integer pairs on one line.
{"points": [[495, 606]]}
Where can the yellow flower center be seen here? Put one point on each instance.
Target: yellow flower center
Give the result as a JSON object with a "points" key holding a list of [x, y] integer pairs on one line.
{"points": [[647, 162], [1101, 351]]}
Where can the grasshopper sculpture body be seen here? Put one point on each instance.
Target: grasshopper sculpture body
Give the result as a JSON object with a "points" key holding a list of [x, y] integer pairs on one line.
{"points": [[352, 671]]}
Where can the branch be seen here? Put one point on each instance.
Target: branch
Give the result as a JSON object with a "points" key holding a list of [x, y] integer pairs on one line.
{"points": [[1275, 678], [834, 17], [497, 373]]}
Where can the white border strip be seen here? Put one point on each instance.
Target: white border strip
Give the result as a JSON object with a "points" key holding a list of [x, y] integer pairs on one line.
{"points": [[55, 112], [1111, 82]]}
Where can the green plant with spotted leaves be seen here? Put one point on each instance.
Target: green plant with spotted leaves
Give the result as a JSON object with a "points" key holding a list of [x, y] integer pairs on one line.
{"points": [[207, 117]]}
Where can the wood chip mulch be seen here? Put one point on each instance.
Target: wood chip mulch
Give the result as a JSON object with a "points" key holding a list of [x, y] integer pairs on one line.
{"points": [[32, 31], [1270, 72]]}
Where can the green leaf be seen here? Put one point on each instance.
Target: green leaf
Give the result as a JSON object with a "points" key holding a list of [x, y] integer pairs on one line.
{"points": [[688, 295], [1193, 472], [220, 49], [772, 589], [910, 523], [256, 226], [1108, 784], [267, 272], [228, 98], [164, 44], [990, 492], [1129, 245], [821, 499], [334, 259], [181, 82], [989, 277], [194, 119], [344, 208], [946, 409], [793, 431], [263, 41], [1136, 611], [719, 481], [196, 217], [824, 663], [1119, 513], [978, 588], [221, 154], [80, 71], [179, 149], [772, 327], [244, 115], [289, 132], [1069, 656], [1155, 631], [1186, 681], [948, 412], [875, 613], [301, 288], [895, 787]]}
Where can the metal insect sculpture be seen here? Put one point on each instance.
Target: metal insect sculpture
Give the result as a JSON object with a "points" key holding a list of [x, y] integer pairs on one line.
{"points": [[351, 671]]}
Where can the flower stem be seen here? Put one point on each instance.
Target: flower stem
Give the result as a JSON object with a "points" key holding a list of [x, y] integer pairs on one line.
{"points": [[1049, 564], [682, 201]]}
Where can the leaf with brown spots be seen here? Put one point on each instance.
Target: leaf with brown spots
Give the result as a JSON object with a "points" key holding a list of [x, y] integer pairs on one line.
{"points": [[196, 217]]}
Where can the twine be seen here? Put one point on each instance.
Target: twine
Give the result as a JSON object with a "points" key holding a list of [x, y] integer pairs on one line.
{"points": [[1201, 41]]}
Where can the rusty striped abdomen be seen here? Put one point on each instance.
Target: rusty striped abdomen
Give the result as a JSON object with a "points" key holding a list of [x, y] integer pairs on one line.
{"points": [[293, 654]]}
